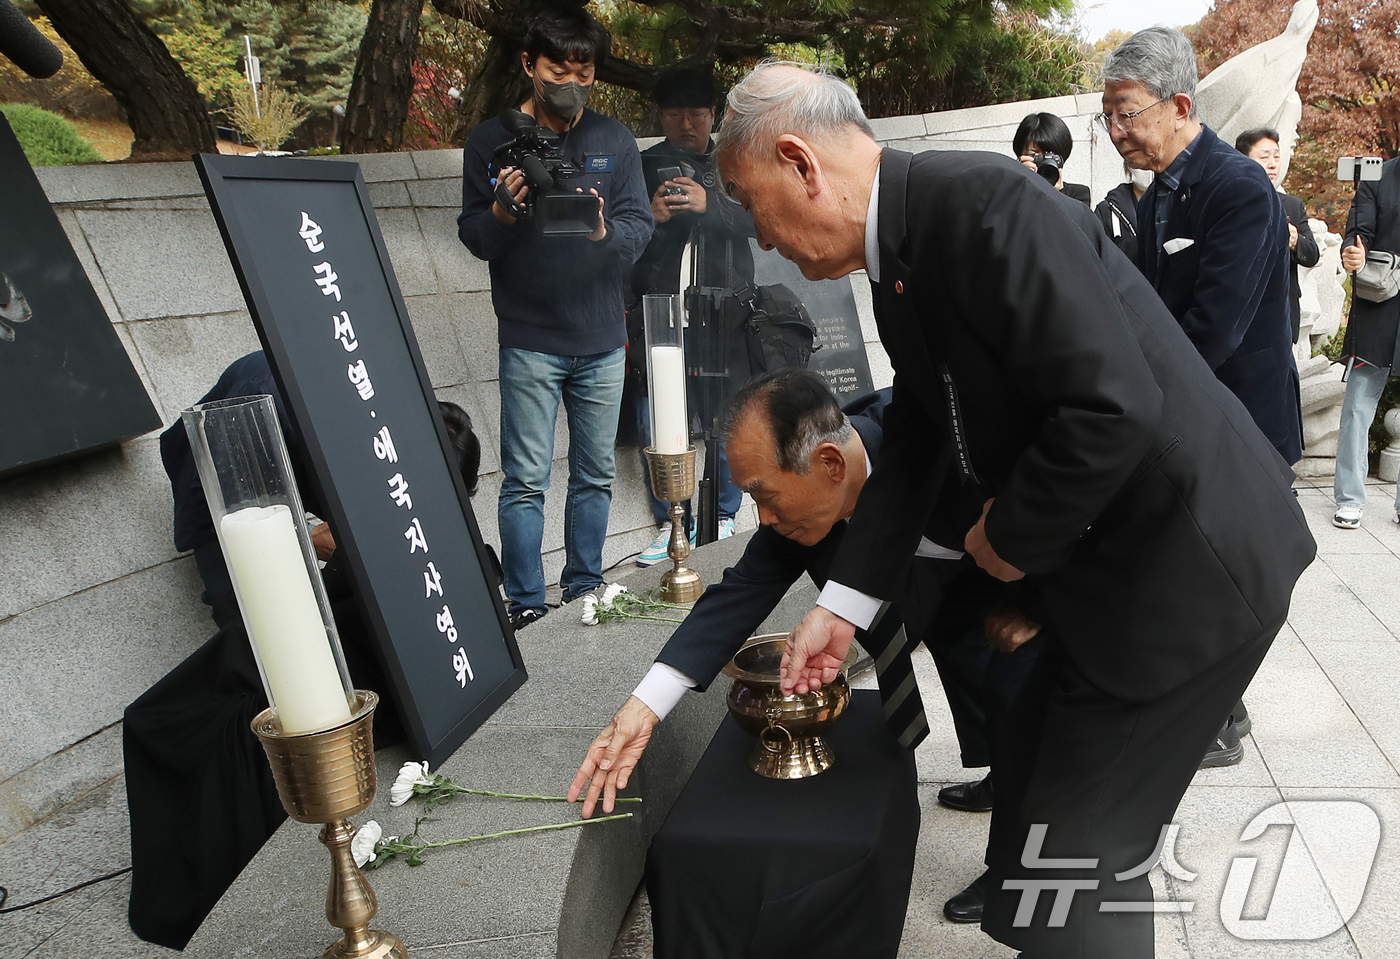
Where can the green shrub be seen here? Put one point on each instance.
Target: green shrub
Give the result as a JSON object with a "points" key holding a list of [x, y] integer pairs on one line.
{"points": [[47, 138]]}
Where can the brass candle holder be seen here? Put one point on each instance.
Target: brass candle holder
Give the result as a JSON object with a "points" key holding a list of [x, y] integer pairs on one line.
{"points": [[673, 481], [325, 777]]}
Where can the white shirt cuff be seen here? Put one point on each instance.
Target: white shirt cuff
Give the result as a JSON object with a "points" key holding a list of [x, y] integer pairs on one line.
{"points": [[662, 687], [851, 605]]}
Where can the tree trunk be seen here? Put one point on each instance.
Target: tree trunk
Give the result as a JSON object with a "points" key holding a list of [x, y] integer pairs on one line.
{"points": [[166, 113], [499, 82], [383, 83]]}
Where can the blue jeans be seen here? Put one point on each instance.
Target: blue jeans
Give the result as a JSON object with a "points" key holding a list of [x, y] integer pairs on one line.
{"points": [[730, 496], [532, 384], [1364, 386]]}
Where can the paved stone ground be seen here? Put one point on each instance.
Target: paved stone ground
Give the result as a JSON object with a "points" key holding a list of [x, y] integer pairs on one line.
{"points": [[1326, 726]]}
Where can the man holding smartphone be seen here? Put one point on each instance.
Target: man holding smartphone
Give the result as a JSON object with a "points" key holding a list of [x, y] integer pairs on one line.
{"points": [[688, 207]]}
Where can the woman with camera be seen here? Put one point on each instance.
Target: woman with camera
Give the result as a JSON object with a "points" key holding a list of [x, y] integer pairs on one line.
{"points": [[1043, 143]]}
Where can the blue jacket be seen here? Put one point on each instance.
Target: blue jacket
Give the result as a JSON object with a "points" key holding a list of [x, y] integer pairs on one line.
{"points": [[1229, 289], [560, 294]]}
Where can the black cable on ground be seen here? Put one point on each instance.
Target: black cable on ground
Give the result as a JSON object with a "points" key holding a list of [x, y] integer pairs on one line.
{"points": [[629, 556], [5, 893]]}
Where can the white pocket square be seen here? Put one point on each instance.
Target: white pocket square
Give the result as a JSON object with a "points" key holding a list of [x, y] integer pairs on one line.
{"points": [[1178, 244]]}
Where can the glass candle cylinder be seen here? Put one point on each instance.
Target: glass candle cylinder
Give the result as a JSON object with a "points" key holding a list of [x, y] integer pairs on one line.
{"points": [[662, 314], [252, 494]]}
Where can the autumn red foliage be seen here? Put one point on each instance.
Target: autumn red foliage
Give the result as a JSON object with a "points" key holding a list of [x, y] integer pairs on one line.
{"points": [[1350, 85]]}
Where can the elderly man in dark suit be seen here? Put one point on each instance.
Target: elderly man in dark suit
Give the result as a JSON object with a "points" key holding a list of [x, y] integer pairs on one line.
{"points": [[1122, 483], [1213, 235], [805, 462]]}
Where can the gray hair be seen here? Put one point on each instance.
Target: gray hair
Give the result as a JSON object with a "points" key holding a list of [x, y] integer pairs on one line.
{"points": [[798, 407], [1160, 59], [806, 101]]}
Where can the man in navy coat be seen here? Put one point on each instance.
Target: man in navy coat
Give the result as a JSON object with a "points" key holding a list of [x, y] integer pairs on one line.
{"points": [[1212, 235]]}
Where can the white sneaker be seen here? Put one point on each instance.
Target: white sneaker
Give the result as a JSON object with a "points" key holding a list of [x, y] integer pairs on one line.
{"points": [[656, 552], [726, 527], [1347, 517]]}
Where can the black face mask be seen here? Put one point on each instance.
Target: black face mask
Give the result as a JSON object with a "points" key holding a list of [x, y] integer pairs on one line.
{"points": [[564, 100]]}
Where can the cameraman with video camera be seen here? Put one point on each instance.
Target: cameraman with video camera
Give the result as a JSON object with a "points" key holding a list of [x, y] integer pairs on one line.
{"points": [[558, 280]]}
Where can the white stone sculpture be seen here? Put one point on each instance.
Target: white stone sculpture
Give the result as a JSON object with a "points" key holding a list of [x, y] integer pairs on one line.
{"points": [[1390, 456], [1257, 88]]}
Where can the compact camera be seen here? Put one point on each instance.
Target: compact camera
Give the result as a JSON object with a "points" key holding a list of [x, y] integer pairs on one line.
{"points": [[536, 151]]}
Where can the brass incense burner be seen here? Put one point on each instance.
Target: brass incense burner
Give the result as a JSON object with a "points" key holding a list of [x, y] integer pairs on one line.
{"points": [[673, 481], [324, 777], [789, 728]]}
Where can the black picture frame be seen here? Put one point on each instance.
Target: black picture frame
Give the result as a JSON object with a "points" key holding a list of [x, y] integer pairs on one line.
{"points": [[256, 201]]}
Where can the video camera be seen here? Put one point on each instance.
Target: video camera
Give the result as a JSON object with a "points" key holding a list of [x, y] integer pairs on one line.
{"points": [[536, 151], [1048, 165]]}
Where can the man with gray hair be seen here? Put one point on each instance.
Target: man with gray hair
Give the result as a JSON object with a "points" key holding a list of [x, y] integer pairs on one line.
{"points": [[1213, 242], [1213, 239], [805, 461], [1150, 525]]}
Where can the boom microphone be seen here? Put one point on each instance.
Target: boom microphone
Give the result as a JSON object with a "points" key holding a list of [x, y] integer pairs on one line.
{"points": [[25, 46]]}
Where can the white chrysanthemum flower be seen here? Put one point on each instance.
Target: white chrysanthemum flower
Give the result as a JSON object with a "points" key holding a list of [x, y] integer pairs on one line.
{"points": [[590, 610], [612, 593], [366, 838], [410, 775]]}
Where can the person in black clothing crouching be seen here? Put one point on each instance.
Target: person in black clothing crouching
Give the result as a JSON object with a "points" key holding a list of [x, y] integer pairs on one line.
{"points": [[200, 793]]}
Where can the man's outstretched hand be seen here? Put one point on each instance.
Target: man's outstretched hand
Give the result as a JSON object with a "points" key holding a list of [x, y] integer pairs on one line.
{"points": [[815, 651], [613, 755]]}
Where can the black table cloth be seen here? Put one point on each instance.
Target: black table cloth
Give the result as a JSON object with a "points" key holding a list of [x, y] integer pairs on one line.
{"points": [[748, 866]]}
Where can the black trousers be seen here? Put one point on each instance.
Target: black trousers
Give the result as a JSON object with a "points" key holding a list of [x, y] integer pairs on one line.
{"points": [[948, 601], [1103, 775]]}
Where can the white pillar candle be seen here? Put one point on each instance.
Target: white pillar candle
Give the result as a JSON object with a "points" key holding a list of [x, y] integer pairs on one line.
{"points": [[668, 423], [283, 617]]}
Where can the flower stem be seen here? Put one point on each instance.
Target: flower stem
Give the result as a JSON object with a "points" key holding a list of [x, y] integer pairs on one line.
{"points": [[487, 792], [518, 832]]}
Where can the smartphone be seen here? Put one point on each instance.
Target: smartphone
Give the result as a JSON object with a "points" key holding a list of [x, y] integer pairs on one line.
{"points": [[670, 173], [1370, 168]]}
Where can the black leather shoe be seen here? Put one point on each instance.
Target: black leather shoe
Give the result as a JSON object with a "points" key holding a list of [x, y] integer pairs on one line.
{"points": [[1241, 717], [1227, 750], [967, 905], [969, 797]]}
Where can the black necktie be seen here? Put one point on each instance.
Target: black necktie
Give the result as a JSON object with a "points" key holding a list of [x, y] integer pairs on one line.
{"points": [[888, 643]]}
